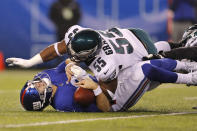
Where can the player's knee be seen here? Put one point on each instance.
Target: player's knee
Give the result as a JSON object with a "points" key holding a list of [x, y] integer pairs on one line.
{"points": [[165, 63]]}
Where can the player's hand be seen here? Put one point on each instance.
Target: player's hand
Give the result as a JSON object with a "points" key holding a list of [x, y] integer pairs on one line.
{"points": [[18, 62], [78, 72], [87, 83], [69, 73], [191, 42]]}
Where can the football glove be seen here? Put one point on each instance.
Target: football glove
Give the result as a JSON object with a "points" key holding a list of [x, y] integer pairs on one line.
{"points": [[18, 62], [37, 59], [160, 55]]}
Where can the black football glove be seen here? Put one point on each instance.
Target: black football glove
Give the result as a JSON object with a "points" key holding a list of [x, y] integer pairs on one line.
{"points": [[160, 55]]}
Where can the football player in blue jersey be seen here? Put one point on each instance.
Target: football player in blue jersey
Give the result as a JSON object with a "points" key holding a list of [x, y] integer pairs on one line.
{"points": [[49, 87]]}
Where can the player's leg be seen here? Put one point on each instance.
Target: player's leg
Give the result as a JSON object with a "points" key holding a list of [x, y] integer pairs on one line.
{"points": [[165, 63], [162, 75], [171, 65], [131, 86], [182, 53]]}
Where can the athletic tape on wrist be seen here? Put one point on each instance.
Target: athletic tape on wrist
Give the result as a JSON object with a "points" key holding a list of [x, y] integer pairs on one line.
{"points": [[97, 91], [35, 60], [56, 49]]}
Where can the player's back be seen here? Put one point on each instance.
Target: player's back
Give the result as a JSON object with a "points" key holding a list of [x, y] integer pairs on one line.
{"points": [[120, 49]]}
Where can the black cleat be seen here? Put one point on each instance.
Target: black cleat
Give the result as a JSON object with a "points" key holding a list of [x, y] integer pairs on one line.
{"points": [[195, 107]]}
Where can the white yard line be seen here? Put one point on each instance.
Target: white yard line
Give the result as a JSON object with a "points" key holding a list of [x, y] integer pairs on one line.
{"points": [[190, 98], [90, 120], [9, 91]]}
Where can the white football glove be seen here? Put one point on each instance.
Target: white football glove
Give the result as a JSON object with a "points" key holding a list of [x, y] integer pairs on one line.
{"points": [[18, 62], [78, 72], [37, 59], [191, 42]]}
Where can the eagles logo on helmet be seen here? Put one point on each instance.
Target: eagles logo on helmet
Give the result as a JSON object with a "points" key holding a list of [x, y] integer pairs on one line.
{"points": [[84, 46], [32, 100]]}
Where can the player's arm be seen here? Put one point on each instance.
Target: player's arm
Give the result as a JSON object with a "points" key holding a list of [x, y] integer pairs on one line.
{"points": [[101, 100], [53, 51], [182, 53], [49, 53], [177, 54], [155, 73]]}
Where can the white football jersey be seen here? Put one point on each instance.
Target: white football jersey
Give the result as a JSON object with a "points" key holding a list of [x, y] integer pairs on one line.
{"points": [[120, 49]]}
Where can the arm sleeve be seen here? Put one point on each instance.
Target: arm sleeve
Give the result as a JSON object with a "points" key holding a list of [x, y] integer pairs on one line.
{"points": [[155, 73], [174, 45], [182, 53]]}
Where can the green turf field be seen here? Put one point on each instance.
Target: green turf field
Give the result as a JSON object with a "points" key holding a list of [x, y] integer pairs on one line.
{"points": [[167, 108]]}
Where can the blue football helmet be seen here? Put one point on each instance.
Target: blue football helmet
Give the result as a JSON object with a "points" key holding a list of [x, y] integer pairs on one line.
{"points": [[189, 33], [84, 46], [32, 100]]}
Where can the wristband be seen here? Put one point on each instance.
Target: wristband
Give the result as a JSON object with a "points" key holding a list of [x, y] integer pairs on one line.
{"points": [[97, 91], [37, 59]]}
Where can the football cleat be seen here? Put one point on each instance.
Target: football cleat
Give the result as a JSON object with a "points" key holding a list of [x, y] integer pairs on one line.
{"points": [[190, 66], [195, 107], [194, 78]]}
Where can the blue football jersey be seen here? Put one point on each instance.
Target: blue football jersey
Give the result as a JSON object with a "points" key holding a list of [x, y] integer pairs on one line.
{"points": [[63, 99]]}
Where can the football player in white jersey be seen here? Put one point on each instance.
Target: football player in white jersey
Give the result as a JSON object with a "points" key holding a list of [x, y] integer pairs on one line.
{"points": [[134, 81], [105, 52]]}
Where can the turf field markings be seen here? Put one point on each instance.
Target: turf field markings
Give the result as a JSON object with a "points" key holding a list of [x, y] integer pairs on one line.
{"points": [[90, 120], [190, 98], [9, 91]]}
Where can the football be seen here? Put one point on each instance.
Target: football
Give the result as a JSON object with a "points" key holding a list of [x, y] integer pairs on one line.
{"points": [[84, 96]]}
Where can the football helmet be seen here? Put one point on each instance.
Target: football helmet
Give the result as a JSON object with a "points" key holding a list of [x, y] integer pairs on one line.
{"points": [[84, 46], [190, 35], [33, 100]]}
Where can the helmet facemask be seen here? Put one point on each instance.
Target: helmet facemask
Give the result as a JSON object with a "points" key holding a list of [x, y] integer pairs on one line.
{"points": [[33, 99]]}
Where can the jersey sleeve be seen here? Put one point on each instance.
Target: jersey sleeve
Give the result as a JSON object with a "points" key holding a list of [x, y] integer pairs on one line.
{"points": [[61, 67]]}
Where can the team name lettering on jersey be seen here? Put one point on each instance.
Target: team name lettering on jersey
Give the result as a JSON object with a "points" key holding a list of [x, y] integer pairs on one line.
{"points": [[107, 49]]}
